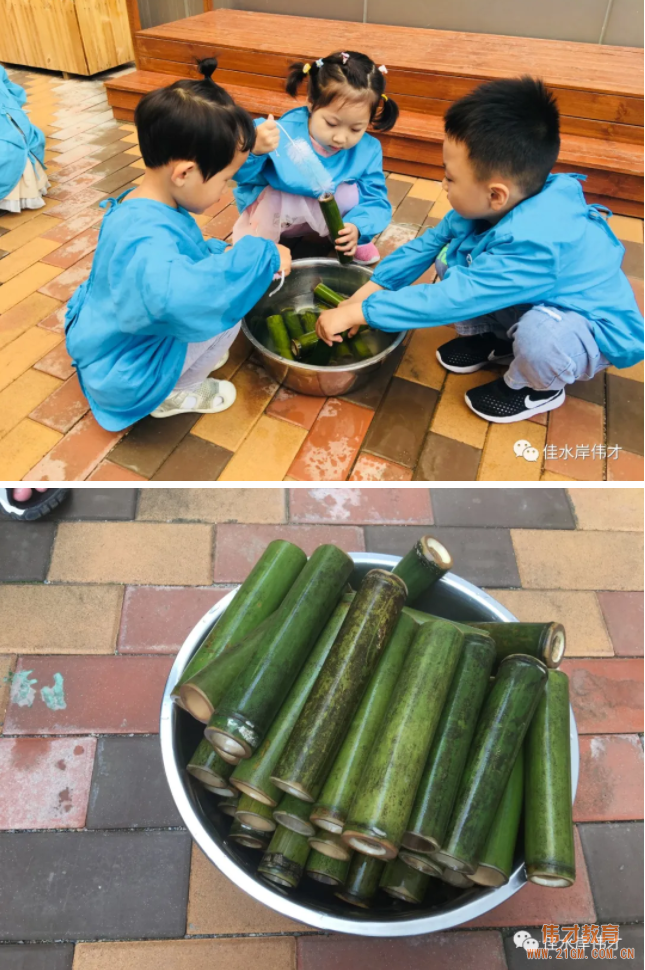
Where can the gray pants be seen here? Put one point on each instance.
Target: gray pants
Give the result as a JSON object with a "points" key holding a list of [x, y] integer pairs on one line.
{"points": [[551, 347], [202, 357]]}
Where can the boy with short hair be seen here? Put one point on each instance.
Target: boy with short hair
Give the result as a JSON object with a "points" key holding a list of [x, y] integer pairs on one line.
{"points": [[529, 272]]}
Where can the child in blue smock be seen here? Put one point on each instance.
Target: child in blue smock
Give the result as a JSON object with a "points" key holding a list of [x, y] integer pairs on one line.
{"points": [[346, 93], [530, 274], [162, 305], [23, 180]]}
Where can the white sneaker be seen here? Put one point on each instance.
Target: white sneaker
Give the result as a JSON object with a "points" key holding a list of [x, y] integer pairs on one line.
{"points": [[209, 397], [220, 363]]}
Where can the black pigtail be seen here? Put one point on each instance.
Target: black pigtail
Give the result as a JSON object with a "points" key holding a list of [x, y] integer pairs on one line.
{"points": [[387, 115], [297, 74], [207, 66]]}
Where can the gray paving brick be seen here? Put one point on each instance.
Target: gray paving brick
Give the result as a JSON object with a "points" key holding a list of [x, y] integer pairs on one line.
{"points": [[614, 856], [36, 956], [25, 550], [129, 788], [630, 936], [93, 885], [482, 556], [512, 508], [98, 503]]}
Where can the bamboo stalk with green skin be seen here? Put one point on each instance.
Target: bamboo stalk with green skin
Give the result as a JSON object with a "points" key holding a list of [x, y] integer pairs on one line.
{"points": [[403, 882], [423, 566], [496, 860], [379, 813], [328, 844], [253, 775], [327, 295], [228, 806], [255, 814], [458, 879], [318, 733], [360, 348], [334, 220], [304, 345], [548, 828], [342, 353], [285, 859], [249, 705], [294, 814], [256, 599], [323, 868], [546, 641], [280, 336], [207, 766], [245, 835], [330, 811], [500, 731], [362, 880], [420, 861], [308, 318], [435, 798], [293, 324]]}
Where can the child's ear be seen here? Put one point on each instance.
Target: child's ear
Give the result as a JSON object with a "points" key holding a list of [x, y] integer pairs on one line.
{"points": [[180, 171], [498, 195]]}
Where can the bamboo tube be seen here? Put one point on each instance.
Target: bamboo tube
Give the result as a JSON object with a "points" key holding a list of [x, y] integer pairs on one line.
{"points": [[548, 829], [334, 220], [284, 860], [318, 733], [280, 336], [328, 844], [503, 723], [251, 702], [439, 783], [293, 813], [255, 814], [423, 566], [230, 759], [330, 811], [496, 860], [228, 806], [342, 353], [253, 775], [420, 861], [245, 835], [360, 348], [293, 324], [207, 766], [458, 879], [361, 881], [403, 882], [225, 792], [327, 295], [259, 595], [546, 641], [308, 319], [379, 813], [305, 343], [323, 868]]}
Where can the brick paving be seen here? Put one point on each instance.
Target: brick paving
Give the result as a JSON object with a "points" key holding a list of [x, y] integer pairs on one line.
{"points": [[409, 423], [96, 869]]}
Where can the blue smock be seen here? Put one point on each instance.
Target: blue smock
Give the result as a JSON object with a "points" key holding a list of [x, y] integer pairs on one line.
{"points": [[156, 285], [18, 137], [551, 249], [362, 164]]}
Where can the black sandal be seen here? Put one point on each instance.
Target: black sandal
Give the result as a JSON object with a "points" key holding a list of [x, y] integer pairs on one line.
{"points": [[40, 503]]}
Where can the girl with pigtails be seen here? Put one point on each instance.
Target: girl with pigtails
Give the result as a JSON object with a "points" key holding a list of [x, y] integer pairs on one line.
{"points": [[345, 94]]}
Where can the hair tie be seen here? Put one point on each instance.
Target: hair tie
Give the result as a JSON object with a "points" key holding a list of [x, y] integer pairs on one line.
{"points": [[383, 69], [306, 69], [345, 56], [384, 96], [319, 62]]}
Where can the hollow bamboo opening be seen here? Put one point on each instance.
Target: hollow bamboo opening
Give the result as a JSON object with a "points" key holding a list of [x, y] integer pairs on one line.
{"points": [[556, 652], [226, 744], [294, 823], [332, 849], [486, 875], [196, 703], [256, 821], [448, 861], [422, 865], [436, 551], [369, 846], [353, 900], [247, 789], [420, 843], [292, 788]]}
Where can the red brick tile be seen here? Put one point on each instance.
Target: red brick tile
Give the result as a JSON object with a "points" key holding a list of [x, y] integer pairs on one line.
{"points": [[56, 320], [70, 253], [74, 170], [295, 408], [623, 614], [222, 225], [74, 226], [238, 547], [607, 695], [626, 467], [62, 409], [157, 619], [610, 787], [637, 287], [331, 446], [77, 454], [443, 951], [369, 468], [46, 782], [577, 422], [535, 905], [108, 471], [69, 280], [361, 506], [57, 362], [74, 154], [217, 207], [102, 695], [80, 201]]}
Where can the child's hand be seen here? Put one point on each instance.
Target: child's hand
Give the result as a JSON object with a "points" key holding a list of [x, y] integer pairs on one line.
{"points": [[331, 323], [363, 292], [347, 240], [285, 259], [267, 137]]}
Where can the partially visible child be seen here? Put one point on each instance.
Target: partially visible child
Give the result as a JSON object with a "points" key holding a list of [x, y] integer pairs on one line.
{"points": [[345, 94], [531, 274], [162, 305], [23, 180]]}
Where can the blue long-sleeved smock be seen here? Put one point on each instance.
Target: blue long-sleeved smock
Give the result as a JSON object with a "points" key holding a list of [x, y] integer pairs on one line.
{"points": [[18, 137], [551, 249], [362, 164], [156, 285]]}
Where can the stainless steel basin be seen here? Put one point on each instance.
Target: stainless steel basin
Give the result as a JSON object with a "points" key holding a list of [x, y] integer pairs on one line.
{"points": [[453, 598], [298, 292]]}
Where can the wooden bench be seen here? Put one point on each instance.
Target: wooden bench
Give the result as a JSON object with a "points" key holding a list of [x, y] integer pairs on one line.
{"points": [[599, 89]]}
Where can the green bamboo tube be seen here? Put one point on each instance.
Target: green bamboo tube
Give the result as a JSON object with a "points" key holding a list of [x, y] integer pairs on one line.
{"points": [[318, 733], [308, 318], [403, 882], [548, 829], [292, 323], [230, 759], [334, 220], [226, 792], [259, 595], [327, 295], [255, 814], [379, 814], [284, 860], [293, 813], [245, 835], [207, 766], [249, 705], [342, 353], [423, 566], [439, 783], [253, 775], [360, 348], [361, 881], [323, 868], [330, 811], [420, 861], [546, 641], [304, 345], [458, 879], [496, 860], [500, 731], [280, 336], [329, 844], [228, 806]]}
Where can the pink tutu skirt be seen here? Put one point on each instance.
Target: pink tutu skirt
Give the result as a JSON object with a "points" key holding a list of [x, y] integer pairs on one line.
{"points": [[275, 214]]}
